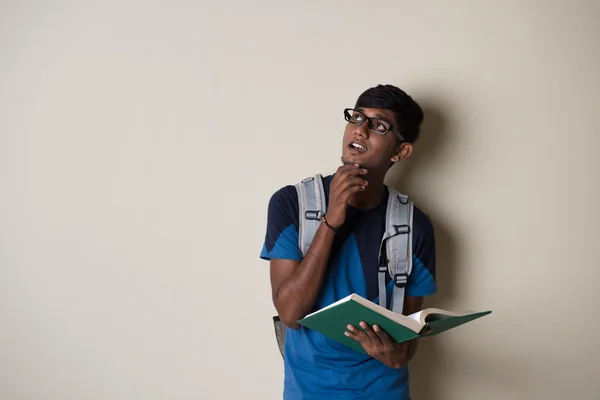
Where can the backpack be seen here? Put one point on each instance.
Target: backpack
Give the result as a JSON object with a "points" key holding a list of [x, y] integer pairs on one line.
{"points": [[395, 251]]}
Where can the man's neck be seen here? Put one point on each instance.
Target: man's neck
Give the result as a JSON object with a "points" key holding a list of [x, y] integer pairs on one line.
{"points": [[372, 195]]}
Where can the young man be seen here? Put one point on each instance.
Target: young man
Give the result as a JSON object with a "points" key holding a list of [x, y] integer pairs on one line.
{"points": [[343, 258]]}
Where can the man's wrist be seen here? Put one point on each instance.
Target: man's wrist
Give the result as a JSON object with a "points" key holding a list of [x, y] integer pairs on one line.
{"points": [[403, 355], [400, 362], [328, 225]]}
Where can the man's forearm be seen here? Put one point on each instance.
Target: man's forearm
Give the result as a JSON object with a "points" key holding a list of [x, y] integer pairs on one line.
{"points": [[297, 294]]}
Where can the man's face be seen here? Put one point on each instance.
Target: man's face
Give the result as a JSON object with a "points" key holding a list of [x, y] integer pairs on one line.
{"points": [[362, 145]]}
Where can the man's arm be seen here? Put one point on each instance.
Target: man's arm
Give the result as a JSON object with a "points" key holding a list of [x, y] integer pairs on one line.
{"points": [[295, 285]]}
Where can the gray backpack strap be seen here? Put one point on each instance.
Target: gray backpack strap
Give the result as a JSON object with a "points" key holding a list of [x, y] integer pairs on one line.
{"points": [[396, 249], [312, 207]]}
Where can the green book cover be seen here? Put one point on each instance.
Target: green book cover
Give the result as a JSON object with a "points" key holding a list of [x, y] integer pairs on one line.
{"points": [[332, 320]]}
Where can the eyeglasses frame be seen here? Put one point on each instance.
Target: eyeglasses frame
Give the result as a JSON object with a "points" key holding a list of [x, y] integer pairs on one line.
{"points": [[369, 119]]}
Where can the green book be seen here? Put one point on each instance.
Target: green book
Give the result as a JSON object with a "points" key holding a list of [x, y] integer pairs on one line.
{"points": [[332, 320]]}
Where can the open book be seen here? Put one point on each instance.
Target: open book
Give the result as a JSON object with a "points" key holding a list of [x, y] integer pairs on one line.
{"points": [[332, 320]]}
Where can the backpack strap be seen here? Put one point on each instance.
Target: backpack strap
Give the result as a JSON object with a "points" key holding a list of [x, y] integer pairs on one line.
{"points": [[312, 207], [396, 249]]}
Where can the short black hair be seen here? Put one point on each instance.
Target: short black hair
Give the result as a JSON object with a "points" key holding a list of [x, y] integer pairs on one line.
{"points": [[409, 114]]}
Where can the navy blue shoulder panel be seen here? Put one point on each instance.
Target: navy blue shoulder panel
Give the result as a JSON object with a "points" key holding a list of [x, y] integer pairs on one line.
{"points": [[282, 214]]}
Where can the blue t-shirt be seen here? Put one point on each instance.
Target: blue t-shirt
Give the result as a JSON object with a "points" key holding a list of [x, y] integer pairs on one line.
{"points": [[317, 367]]}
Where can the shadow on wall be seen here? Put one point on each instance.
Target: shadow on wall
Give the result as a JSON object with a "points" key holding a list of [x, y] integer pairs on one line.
{"points": [[410, 177]]}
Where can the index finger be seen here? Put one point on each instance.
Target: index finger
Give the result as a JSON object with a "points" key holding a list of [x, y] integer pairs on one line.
{"points": [[349, 169]]}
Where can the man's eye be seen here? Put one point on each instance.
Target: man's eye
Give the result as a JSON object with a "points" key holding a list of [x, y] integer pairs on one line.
{"points": [[357, 117]]}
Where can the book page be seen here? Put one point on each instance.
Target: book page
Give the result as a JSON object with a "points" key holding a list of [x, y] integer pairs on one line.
{"points": [[396, 317], [417, 316]]}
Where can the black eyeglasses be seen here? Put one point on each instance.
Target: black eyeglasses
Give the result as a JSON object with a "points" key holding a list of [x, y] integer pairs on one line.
{"points": [[377, 125]]}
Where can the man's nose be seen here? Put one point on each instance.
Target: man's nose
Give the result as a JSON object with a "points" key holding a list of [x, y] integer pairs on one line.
{"points": [[362, 129]]}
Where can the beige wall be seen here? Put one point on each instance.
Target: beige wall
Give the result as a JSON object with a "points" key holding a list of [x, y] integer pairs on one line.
{"points": [[139, 145]]}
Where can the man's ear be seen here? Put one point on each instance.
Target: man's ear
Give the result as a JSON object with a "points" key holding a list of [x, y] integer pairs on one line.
{"points": [[403, 152]]}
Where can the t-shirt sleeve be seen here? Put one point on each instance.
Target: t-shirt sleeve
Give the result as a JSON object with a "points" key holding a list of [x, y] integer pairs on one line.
{"points": [[281, 239], [422, 280]]}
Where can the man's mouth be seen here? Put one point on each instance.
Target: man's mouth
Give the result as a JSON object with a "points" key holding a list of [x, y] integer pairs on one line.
{"points": [[357, 146]]}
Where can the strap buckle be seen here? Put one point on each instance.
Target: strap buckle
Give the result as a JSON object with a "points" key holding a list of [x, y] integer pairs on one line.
{"points": [[403, 199], [402, 229], [314, 215], [400, 280]]}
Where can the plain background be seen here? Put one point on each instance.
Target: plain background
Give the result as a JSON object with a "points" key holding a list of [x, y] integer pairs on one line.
{"points": [[141, 141]]}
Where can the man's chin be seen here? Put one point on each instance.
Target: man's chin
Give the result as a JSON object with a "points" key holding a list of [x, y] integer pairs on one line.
{"points": [[348, 161]]}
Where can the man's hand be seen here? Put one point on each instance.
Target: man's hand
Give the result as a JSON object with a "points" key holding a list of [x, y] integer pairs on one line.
{"points": [[378, 345], [347, 180]]}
